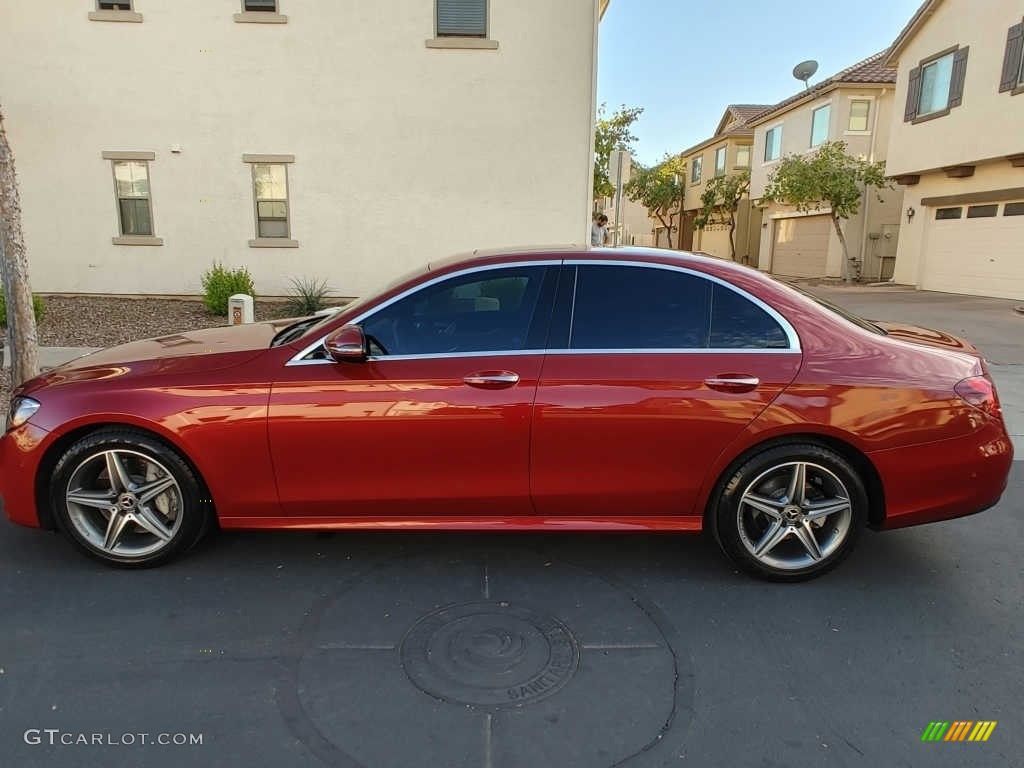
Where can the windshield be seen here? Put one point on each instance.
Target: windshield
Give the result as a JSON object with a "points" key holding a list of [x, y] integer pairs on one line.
{"points": [[311, 326]]}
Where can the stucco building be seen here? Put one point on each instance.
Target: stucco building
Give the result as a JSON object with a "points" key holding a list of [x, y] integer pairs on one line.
{"points": [[343, 141], [957, 146]]}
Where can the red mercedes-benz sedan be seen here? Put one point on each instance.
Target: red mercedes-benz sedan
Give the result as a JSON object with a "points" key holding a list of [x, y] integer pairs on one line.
{"points": [[548, 389]]}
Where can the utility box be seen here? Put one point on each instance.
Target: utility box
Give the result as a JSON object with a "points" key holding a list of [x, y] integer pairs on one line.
{"points": [[240, 309]]}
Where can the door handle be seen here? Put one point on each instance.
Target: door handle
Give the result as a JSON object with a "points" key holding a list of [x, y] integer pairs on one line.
{"points": [[733, 383], [492, 379]]}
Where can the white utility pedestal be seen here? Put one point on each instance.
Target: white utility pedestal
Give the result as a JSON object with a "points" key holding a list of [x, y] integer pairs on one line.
{"points": [[240, 309]]}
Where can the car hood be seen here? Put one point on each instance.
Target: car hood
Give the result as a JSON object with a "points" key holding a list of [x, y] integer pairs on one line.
{"points": [[928, 337], [208, 350]]}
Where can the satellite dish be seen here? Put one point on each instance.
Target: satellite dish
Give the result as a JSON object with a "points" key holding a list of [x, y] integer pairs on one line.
{"points": [[805, 71]]}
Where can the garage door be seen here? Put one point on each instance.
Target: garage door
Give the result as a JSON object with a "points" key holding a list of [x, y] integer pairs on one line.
{"points": [[977, 249], [801, 246], [715, 240]]}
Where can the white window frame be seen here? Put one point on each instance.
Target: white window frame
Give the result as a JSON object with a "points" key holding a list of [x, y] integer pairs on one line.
{"points": [[271, 242], [721, 167], [924, 68], [697, 169], [247, 16], [144, 158], [850, 130], [743, 149], [828, 124], [124, 12], [456, 40], [768, 143]]}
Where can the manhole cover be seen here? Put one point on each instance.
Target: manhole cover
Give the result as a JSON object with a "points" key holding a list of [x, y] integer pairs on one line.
{"points": [[500, 661], [489, 653]]}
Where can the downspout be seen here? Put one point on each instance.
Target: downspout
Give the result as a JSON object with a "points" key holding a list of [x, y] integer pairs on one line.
{"points": [[867, 197]]}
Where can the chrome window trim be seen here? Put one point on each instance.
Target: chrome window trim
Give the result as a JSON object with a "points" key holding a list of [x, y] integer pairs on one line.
{"points": [[298, 359], [791, 335]]}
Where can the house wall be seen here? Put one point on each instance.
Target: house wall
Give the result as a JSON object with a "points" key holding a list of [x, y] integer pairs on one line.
{"points": [[694, 191], [911, 260], [403, 153], [988, 123], [874, 215]]}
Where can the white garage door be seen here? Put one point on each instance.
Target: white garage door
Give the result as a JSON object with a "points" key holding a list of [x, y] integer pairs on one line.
{"points": [[715, 240], [801, 246], [980, 253]]}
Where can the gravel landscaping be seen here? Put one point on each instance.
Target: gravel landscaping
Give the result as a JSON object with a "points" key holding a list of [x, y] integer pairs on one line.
{"points": [[103, 321]]}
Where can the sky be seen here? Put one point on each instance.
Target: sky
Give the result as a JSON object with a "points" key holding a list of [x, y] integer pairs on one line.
{"points": [[684, 61]]}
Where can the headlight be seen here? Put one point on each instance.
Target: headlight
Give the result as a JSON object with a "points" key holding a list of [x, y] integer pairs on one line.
{"points": [[22, 409]]}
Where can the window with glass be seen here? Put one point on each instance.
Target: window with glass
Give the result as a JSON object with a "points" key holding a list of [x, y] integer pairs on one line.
{"points": [[489, 311], [134, 205], [720, 154], [260, 6], [114, 5], [936, 79], [773, 144], [942, 214], [859, 111], [461, 18], [743, 156], [819, 124], [633, 307], [739, 323], [695, 169], [1013, 209], [982, 211], [270, 184]]}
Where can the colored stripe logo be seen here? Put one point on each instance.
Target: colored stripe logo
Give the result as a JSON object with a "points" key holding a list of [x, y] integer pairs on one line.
{"points": [[959, 730]]}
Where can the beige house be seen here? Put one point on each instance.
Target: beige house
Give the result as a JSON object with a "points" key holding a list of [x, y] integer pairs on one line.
{"points": [[728, 151], [628, 221], [854, 106], [957, 146], [348, 141]]}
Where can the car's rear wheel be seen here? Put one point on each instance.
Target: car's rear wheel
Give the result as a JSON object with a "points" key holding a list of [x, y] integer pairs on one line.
{"points": [[127, 499], [791, 512]]}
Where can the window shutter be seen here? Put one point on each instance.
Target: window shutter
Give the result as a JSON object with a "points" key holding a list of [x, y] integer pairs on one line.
{"points": [[956, 85], [466, 18], [1012, 58], [913, 95]]}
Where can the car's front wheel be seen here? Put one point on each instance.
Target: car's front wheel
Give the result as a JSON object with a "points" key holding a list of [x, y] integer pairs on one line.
{"points": [[791, 512], [127, 499]]}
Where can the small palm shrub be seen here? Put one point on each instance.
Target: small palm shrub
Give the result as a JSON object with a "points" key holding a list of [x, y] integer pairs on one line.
{"points": [[308, 295], [38, 306], [220, 284]]}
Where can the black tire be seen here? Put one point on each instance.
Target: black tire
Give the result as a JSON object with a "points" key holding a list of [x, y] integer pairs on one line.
{"points": [[182, 513], [742, 528]]}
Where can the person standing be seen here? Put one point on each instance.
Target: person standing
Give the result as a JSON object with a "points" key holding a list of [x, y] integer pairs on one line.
{"points": [[599, 230]]}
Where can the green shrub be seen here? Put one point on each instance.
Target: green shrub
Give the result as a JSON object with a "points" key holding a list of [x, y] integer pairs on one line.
{"points": [[220, 284], [38, 306], [308, 296]]}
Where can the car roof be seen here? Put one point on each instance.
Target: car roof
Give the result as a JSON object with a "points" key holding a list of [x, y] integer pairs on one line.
{"points": [[485, 256]]}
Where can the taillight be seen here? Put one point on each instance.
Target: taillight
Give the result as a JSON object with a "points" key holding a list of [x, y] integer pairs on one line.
{"points": [[980, 392]]}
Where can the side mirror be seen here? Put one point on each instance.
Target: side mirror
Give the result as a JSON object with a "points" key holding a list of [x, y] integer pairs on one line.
{"points": [[347, 344]]}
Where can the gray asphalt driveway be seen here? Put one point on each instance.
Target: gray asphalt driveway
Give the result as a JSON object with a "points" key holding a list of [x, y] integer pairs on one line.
{"points": [[513, 650]]}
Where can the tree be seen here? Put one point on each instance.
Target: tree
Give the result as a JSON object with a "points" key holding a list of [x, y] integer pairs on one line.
{"points": [[660, 190], [829, 177], [611, 133], [21, 321], [720, 201]]}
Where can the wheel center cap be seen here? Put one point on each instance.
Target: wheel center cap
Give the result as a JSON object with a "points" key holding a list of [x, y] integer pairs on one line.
{"points": [[792, 513], [127, 501]]}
